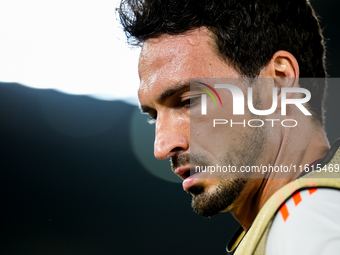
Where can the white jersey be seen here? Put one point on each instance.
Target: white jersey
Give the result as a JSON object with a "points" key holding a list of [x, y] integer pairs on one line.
{"points": [[308, 223]]}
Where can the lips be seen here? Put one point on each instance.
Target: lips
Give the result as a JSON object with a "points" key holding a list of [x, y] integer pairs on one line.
{"points": [[184, 173]]}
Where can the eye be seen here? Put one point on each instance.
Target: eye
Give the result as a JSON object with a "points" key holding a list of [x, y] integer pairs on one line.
{"points": [[189, 102], [152, 118]]}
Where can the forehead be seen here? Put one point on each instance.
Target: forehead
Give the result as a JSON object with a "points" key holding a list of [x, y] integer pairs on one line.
{"points": [[170, 60]]}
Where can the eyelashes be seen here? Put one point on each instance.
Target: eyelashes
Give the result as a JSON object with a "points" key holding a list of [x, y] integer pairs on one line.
{"points": [[190, 102], [151, 120]]}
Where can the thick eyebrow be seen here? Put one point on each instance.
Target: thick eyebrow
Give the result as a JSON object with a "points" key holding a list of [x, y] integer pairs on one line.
{"points": [[166, 95], [172, 91]]}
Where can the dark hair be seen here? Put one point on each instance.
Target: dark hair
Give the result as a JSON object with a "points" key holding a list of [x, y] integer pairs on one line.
{"points": [[247, 33]]}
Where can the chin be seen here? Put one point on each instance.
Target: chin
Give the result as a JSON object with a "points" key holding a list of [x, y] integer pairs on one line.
{"points": [[208, 202]]}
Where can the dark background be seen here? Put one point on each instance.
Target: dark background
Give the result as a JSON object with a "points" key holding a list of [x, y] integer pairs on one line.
{"points": [[71, 182]]}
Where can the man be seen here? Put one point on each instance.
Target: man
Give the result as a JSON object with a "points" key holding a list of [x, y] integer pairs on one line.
{"points": [[270, 44]]}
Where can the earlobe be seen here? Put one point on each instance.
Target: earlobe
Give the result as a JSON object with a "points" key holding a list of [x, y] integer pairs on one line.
{"points": [[284, 82], [284, 70]]}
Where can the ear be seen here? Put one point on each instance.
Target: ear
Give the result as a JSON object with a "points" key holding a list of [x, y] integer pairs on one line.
{"points": [[283, 69]]}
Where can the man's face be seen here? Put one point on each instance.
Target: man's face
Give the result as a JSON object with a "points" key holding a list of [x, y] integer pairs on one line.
{"points": [[166, 65]]}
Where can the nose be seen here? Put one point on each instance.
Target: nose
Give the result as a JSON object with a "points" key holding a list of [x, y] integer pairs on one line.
{"points": [[172, 136]]}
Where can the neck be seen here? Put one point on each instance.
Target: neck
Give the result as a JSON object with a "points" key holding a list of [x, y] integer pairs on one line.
{"points": [[296, 151]]}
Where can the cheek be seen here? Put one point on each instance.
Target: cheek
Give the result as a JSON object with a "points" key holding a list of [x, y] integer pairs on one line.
{"points": [[179, 121], [206, 134]]}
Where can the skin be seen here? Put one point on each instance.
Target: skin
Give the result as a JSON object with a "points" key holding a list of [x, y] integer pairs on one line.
{"points": [[166, 65]]}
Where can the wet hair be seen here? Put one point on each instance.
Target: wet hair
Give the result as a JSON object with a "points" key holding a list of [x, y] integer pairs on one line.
{"points": [[247, 33]]}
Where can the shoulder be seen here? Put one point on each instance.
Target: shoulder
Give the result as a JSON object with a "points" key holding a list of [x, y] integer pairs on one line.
{"points": [[307, 223]]}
